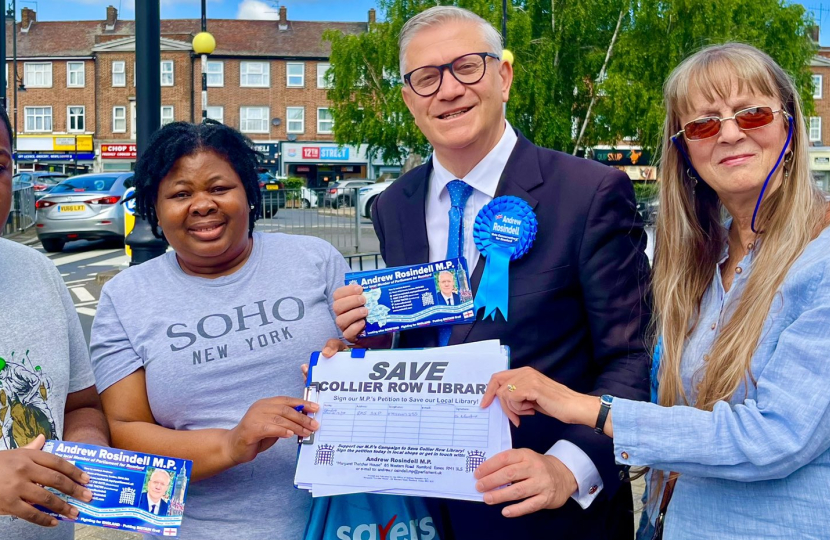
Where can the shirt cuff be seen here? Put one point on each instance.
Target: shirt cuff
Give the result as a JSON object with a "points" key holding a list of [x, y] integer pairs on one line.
{"points": [[588, 481]]}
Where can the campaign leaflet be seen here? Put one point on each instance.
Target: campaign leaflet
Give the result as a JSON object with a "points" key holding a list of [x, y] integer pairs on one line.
{"points": [[131, 491], [407, 297]]}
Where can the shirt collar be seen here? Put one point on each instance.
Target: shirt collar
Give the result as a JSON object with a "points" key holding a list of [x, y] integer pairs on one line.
{"points": [[485, 175]]}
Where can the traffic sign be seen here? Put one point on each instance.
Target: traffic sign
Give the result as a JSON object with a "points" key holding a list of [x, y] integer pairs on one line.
{"points": [[129, 201]]}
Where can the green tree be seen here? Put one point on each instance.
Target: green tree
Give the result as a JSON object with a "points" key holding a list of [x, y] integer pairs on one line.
{"points": [[561, 48], [663, 32]]}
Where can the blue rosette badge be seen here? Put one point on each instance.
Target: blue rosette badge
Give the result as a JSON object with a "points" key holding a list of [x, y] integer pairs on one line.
{"points": [[504, 231]]}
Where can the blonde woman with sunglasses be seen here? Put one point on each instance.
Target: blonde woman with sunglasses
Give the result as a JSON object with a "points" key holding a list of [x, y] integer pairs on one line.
{"points": [[739, 439]]}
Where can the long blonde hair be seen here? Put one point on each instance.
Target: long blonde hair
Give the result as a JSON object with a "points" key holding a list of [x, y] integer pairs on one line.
{"points": [[691, 237]]}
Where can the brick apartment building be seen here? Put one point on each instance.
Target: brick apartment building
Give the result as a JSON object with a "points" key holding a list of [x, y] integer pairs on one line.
{"points": [[76, 98], [819, 125]]}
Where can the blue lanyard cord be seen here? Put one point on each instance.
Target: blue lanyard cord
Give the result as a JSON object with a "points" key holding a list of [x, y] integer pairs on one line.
{"points": [[694, 173], [777, 163]]}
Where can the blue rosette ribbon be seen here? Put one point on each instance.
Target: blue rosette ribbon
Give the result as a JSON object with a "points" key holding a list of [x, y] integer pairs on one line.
{"points": [[504, 231]]}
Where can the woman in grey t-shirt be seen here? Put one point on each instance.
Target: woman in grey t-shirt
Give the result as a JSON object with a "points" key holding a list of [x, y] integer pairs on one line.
{"points": [[191, 349]]}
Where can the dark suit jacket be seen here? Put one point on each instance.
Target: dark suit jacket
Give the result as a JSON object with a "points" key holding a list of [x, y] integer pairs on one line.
{"points": [[455, 299], [578, 311], [144, 504]]}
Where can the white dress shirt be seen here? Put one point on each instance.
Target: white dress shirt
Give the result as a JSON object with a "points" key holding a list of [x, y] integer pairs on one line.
{"points": [[484, 179]]}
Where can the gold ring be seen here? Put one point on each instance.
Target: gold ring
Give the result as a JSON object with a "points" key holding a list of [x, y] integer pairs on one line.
{"points": [[510, 388]]}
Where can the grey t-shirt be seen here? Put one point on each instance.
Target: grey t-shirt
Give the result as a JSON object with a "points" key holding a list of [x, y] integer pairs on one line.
{"points": [[210, 348], [44, 358]]}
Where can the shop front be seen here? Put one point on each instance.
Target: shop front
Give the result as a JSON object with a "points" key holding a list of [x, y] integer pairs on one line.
{"points": [[118, 157], [68, 154], [322, 163], [634, 161], [820, 166]]}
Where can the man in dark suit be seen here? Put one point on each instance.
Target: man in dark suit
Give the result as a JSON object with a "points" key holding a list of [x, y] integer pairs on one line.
{"points": [[152, 500], [578, 301], [446, 288]]}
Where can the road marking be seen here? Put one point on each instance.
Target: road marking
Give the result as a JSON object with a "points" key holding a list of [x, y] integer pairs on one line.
{"points": [[77, 281], [90, 303], [82, 294], [82, 256], [115, 261], [86, 311]]}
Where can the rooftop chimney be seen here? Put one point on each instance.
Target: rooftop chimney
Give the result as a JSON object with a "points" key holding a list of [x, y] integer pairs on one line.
{"points": [[814, 33], [27, 17], [112, 18], [283, 18], [372, 16]]}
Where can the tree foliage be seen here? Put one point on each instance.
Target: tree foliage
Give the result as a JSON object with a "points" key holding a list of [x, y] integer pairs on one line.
{"points": [[560, 47]]}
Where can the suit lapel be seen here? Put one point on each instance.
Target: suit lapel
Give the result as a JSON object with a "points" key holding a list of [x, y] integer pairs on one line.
{"points": [[414, 219], [520, 175]]}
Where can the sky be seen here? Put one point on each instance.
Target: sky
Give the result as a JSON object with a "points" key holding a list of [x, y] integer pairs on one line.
{"points": [[304, 10]]}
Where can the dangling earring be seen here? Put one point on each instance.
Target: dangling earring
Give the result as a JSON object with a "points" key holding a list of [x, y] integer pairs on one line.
{"points": [[787, 164], [694, 179]]}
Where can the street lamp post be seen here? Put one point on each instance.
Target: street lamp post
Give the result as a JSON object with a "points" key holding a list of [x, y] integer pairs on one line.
{"points": [[141, 239], [204, 44]]}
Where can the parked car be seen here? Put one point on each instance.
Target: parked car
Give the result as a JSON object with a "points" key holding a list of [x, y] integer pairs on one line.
{"points": [[648, 209], [42, 181], [84, 207], [308, 198], [273, 193], [366, 197], [342, 192]]}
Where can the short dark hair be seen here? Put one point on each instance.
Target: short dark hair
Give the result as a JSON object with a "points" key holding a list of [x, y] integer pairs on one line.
{"points": [[181, 139]]}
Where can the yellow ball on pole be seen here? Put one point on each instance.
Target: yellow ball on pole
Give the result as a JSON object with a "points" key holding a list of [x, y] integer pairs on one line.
{"points": [[507, 56], [204, 43]]}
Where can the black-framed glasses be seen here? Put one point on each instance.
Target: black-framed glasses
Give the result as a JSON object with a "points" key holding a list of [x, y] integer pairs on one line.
{"points": [[468, 69], [746, 119]]}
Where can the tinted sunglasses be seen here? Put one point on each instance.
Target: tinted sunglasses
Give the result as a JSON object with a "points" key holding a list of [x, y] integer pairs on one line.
{"points": [[747, 119]]}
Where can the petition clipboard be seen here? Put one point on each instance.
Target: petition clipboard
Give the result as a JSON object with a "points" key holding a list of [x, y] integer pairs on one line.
{"points": [[312, 392]]}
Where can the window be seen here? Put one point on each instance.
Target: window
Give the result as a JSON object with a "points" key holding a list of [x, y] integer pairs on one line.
{"points": [[75, 118], [216, 112], [817, 86], [322, 68], [119, 119], [167, 114], [119, 77], [815, 129], [215, 74], [38, 118], [253, 119], [38, 75], [167, 73], [75, 76], [325, 123], [296, 119], [254, 74], [295, 75]]}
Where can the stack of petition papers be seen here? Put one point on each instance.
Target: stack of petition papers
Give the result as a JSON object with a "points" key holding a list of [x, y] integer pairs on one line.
{"points": [[404, 422]]}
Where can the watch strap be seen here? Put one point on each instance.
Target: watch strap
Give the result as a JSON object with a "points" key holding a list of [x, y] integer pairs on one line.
{"points": [[604, 409]]}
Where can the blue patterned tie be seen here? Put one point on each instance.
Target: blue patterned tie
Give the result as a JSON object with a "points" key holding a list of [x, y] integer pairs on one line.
{"points": [[459, 193]]}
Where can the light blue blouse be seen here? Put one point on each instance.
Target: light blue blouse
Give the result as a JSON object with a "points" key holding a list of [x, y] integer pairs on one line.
{"points": [[758, 466]]}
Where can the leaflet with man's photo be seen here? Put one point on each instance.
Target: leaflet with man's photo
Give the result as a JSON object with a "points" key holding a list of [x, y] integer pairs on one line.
{"points": [[131, 491], [407, 297]]}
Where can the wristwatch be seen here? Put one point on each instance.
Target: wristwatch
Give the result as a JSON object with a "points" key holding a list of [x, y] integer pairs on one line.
{"points": [[604, 408]]}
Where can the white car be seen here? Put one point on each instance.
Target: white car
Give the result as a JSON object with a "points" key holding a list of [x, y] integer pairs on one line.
{"points": [[366, 197], [308, 198]]}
